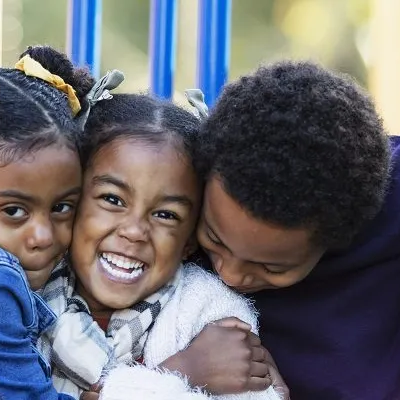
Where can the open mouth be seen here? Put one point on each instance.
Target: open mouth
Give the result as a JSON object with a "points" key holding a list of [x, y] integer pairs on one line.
{"points": [[122, 267]]}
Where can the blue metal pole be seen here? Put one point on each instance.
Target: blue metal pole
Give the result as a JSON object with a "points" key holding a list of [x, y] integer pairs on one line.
{"points": [[162, 46], [74, 30], [213, 47], [93, 35], [84, 33]]}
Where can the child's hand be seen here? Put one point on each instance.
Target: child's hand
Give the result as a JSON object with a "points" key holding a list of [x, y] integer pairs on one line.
{"points": [[260, 355], [89, 396], [273, 372], [226, 358], [93, 393]]}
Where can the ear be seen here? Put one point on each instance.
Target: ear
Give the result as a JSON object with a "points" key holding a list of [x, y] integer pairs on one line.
{"points": [[190, 247]]}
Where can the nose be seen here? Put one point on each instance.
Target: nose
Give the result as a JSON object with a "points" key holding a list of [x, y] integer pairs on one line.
{"points": [[41, 235], [230, 269], [134, 230]]}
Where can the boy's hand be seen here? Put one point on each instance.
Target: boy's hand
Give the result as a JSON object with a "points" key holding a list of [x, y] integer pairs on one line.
{"points": [[226, 358]]}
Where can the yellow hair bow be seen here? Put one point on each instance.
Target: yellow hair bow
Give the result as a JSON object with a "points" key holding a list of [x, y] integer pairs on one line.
{"points": [[32, 68]]}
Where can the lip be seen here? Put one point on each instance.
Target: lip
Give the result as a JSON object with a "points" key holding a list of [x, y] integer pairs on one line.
{"points": [[119, 280]]}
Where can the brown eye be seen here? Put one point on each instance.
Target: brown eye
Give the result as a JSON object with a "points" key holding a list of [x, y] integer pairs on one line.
{"points": [[15, 212], [62, 208], [112, 199], [166, 215]]}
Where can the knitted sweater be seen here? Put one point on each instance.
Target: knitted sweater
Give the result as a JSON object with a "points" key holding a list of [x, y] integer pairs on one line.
{"points": [[199, 299]]}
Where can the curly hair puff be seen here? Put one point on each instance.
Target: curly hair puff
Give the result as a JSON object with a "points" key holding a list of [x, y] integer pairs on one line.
{"points": [[299, 146]]}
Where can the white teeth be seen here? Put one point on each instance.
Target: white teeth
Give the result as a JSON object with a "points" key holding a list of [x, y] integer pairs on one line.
{"points": [[122, 262], [120, 274]]}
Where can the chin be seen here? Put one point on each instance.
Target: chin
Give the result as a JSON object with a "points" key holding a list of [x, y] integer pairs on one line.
{"points": [[118, 304], [37, 279]]}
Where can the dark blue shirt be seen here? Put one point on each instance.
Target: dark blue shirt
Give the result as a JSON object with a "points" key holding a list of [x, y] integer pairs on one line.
{"points": [[24, 373], [336, 335]]}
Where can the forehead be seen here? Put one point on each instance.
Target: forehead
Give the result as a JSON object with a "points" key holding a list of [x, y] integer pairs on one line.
{"points": [[133, 160], [43, 173], [247, 237]]}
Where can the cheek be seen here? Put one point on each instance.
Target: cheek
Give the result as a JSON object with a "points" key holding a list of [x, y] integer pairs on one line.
{"points": [[63, 234], [289, 279], [169, 248], [13, 240], [91, 222], [303, 274], [170, 244], [86, 234]]}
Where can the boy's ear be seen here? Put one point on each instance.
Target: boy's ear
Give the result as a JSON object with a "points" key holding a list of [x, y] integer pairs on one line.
{"points": [[190, 247]]}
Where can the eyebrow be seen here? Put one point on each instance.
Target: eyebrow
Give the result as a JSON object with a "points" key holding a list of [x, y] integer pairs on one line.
{"points": [[183, 200], [275, 264], [70, 192], [111, 180], [16, 194], [31, 199]]}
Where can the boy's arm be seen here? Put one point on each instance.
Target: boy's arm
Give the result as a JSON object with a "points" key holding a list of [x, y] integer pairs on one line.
{"points": [[22, 376], [224, 358], [215, 350]]}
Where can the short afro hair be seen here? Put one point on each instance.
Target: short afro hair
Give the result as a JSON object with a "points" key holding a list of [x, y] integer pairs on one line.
{"points": [[299, 146]]}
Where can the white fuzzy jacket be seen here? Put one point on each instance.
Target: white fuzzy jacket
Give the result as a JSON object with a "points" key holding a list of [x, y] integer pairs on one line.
{"points": [[199, 299]]}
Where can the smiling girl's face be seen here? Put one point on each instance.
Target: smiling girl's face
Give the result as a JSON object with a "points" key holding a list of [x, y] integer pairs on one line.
{"points": [[135, 222]]}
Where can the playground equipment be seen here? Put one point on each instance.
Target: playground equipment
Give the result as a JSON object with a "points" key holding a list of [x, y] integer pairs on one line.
{"points": [[213, 47]]}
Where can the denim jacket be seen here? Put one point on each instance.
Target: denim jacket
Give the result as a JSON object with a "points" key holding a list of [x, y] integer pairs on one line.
{"points": [[24, 373]]}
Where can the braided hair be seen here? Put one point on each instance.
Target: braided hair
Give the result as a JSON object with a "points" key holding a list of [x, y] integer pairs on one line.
{"points": [[34, 114]]}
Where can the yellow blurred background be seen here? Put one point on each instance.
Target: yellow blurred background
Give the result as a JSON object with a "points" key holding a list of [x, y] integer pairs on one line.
{"points": [[359, 37]]}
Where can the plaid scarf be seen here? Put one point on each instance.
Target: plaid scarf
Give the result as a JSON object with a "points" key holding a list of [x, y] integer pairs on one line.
{"points": [[80, 351]]}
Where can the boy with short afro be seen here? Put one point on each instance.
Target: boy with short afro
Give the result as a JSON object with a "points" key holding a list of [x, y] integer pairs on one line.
{"points": [[303, 196]]}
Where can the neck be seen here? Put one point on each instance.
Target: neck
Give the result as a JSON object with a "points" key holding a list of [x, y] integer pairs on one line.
{"points": [[102, 314]]}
